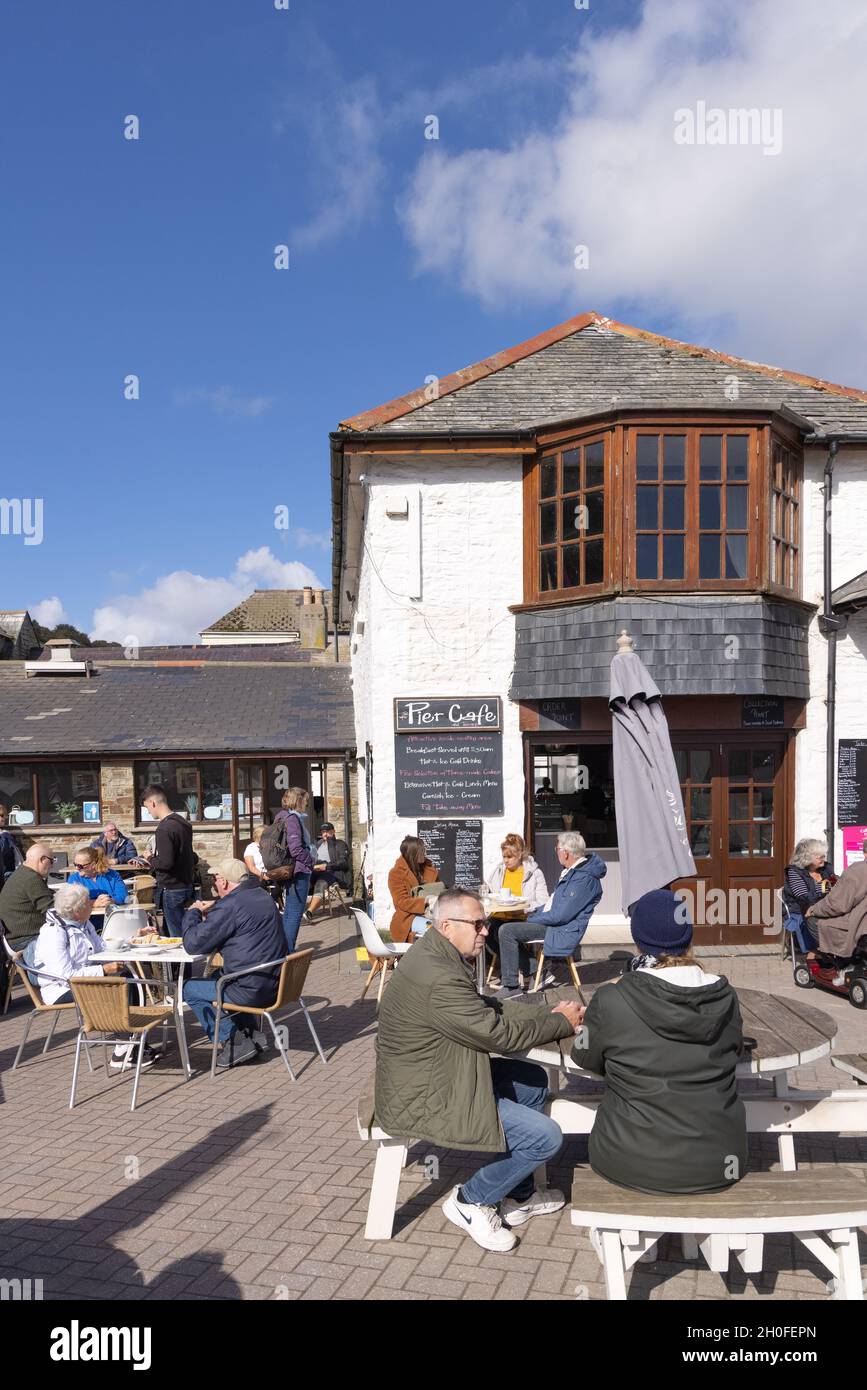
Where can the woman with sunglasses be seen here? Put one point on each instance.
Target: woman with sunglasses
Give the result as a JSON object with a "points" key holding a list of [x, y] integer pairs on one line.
{"points": [[104, 884]]}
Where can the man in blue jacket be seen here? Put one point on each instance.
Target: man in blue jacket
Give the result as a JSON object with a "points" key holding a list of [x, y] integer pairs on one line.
{"points": [[243, 924], [564, 917]]}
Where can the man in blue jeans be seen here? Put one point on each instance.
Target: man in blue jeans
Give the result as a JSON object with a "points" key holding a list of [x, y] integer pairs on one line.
{"points": [[441, 1075], [173, 861]]}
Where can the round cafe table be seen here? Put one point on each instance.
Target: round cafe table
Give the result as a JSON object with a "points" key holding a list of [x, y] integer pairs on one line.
{"points": [[492, 904]]}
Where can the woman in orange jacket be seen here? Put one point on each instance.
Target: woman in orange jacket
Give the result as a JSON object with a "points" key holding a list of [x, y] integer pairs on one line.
{"points": [[411, 870]]}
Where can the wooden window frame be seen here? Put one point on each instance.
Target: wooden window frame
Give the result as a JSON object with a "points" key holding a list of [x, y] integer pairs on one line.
{"points": [[533, 501], [776, 439], [33, 769], [620, 482]]}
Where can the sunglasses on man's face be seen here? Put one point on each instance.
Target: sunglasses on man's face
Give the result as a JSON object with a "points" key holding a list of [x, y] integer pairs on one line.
{"points": [[478, 922]]}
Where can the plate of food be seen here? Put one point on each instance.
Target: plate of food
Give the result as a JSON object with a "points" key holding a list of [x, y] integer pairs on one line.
{"points": [[161, 942]]}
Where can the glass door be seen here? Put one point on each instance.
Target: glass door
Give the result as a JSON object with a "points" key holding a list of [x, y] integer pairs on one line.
{"points": [[250, 803]]}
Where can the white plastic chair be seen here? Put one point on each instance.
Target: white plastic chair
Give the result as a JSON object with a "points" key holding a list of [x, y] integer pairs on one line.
{"points": [[123, 923], [383, 954]]}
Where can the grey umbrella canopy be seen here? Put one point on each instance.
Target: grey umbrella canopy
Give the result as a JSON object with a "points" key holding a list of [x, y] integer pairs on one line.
{"points": [[651, 825]]}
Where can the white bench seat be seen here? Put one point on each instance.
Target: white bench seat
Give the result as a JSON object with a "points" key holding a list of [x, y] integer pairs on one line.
{"points": [[822, 1207]]}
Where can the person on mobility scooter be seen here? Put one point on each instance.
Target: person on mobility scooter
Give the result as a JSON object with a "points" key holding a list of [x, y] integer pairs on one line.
{"points": [[840, 963]]}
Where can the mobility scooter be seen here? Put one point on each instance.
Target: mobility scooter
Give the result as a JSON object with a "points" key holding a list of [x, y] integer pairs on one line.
{"points": [[822, 970]]}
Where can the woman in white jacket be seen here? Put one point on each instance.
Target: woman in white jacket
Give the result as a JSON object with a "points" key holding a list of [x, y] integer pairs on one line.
{"points": [[518, 871], [66, 942]]}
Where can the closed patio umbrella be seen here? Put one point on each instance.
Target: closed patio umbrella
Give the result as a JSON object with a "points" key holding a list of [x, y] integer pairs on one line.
{"points": [[651, 825]]}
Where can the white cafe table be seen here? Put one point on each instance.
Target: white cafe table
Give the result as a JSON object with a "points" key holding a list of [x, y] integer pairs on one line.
{"points": [[492, 904], [173, 955]]}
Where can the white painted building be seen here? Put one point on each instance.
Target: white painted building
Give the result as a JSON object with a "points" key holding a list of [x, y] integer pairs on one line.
{"points": [[457, 564]]}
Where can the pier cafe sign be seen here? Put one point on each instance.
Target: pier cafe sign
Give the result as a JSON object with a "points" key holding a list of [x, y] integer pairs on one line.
{"points": [[420, 715]]}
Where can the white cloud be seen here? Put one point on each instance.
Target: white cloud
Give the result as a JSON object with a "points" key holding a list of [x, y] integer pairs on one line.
{"points": [[349, 171], [309, 540], [769, 246], [179, 605], [49, 612], [226, 401]]}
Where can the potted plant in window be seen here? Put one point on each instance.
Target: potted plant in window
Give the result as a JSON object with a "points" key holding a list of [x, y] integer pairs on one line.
{"points": [[192, 805], [67, 811]]}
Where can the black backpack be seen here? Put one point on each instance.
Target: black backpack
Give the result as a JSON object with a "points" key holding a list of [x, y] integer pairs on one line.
{"points": [[276, 855]]}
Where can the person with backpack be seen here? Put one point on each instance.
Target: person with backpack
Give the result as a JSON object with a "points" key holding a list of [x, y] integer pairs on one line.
{"points": [[287, 853], [10, 854], [172, 862]]}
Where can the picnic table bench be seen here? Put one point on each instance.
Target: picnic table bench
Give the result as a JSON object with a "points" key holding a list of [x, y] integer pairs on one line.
{"points": [[855, 1063], [822, 1207]]}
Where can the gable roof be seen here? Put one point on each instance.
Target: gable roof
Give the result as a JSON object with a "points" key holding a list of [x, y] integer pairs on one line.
{"points": [[592, 364], [268, 611]]}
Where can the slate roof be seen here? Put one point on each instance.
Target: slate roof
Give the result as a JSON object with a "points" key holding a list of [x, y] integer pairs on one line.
{"points": [[255, 652], [591, 365], [266, 610], [136, 708]]}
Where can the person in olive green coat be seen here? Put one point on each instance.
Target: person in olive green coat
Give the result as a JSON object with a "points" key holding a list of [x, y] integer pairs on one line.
{"points": [[667, 1039], [436, 1080], [26, 897]]}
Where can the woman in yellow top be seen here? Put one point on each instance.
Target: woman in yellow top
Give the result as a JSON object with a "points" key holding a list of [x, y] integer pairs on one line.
{"points": [[518, 871]]}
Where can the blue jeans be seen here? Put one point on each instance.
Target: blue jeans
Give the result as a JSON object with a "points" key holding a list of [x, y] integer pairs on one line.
{"points": [[532, 1137], [174, 902], [200, 995], [513, 952], [294, 903]]}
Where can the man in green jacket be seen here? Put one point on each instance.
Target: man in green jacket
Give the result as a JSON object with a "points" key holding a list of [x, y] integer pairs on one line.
{"points": [[436, 1078], [26, 897]]}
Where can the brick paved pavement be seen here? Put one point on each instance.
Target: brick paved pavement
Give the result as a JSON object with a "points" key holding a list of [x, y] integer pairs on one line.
{"points": [[251, 1187]]}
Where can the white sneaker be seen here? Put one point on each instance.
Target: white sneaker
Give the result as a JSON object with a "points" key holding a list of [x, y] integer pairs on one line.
{"points": [[543, 1203], [481, 1224], [125, 1058]]}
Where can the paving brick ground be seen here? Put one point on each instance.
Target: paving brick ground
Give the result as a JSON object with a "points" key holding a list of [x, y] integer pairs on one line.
{"points": [[252, 1187]]}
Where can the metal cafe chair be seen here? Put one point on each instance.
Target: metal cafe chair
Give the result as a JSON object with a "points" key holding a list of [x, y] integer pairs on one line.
{"points": [[289, 987], [104, 1009]]}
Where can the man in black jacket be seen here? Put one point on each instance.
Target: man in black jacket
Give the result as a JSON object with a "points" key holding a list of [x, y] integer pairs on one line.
{"points": [[332, 865], [245, 925], [172, 861]]}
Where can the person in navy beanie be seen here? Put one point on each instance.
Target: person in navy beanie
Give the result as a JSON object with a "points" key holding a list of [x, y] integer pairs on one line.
{"points": [[667, 1039]]}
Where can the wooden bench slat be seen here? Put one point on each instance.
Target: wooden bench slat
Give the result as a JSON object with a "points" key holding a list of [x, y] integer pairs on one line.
{"points": [[855, 1063], [807, 1193]]}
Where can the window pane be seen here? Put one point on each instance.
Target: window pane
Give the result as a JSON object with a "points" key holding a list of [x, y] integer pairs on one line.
{"points": [[739, 805], [737, 458], [681, 762], [763, 840], [646, 562], [672, 557], [710, 463], [593, 560], [709, 509], [736, 508], [699, 841], [571, 566], [673, 457], [594, 464], [16, 793], [548, 522], [647, 456], [708, 557], [672, 508], [549, 478], [764, 764], [216, 787], [595, 504], [647, 508], [763, 803], [739, 764], [699, 807], [736, 557], [572, 520], [66, 785], [572, 470], [547, 570], [699, 765], [739, 839]]}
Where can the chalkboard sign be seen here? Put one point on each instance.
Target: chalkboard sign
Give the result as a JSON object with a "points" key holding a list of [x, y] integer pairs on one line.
{"points": [[455, 846], [457, 774], [559, 714], [762, 712], [852, 781]]}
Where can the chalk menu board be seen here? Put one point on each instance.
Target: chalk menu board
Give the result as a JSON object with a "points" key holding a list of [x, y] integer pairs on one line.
{"points": [[451, 774], [762, 712], [852, 781], [455, 846]]}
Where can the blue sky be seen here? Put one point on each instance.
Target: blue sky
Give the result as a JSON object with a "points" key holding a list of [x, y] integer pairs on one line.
{"points": [[306, 127]]}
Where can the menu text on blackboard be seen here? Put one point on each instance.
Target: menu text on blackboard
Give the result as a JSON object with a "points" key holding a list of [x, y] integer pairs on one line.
{"points": [[852, 781], [457, 774]]}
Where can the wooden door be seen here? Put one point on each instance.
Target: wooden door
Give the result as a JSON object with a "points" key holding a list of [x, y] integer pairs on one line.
{"points": [[250, 803]]}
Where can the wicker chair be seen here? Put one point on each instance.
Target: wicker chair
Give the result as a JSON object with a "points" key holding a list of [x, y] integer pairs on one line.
{"points": [[104, 1007], [289, 987], [143, 890], [15, 962]]}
